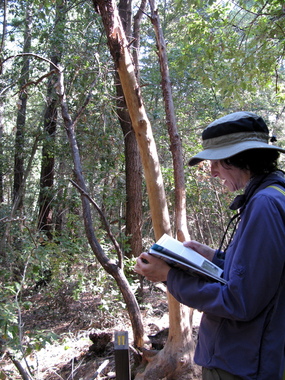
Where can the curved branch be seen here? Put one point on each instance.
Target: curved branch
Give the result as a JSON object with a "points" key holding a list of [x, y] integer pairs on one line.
{"points": [[113, 269], [31, 55], [35, 82], [106, 224]]}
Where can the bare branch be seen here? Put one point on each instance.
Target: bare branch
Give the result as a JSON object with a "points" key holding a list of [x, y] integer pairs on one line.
{"points": [[18, 365], [31, 55], [36, 82]]}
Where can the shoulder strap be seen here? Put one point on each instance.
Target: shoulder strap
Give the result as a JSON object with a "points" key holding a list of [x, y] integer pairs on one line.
{"points": [[277, 188]]}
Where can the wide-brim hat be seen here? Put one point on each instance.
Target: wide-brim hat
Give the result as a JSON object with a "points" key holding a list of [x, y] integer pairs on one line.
{"points": [[232, 134]]}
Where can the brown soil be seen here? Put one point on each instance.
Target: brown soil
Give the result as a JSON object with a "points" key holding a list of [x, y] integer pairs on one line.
{"points": [[85, 334]]}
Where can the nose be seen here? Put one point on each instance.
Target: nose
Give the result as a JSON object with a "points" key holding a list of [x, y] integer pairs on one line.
{"points": [[214, 169]]}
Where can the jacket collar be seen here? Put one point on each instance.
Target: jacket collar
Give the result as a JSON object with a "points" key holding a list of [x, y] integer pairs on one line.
{"points": [[256, 184]]}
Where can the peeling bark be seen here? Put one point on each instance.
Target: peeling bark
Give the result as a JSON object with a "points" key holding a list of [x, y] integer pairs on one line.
{"points": [[175, 360], [118, 45]]}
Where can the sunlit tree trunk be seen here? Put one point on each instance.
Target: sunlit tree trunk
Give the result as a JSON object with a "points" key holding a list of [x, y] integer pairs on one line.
{"points": [[119, 49], [174, 360], [175, 140]]}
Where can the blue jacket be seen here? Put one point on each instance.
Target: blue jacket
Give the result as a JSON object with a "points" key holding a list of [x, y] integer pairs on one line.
{"points": [[242, 330]]}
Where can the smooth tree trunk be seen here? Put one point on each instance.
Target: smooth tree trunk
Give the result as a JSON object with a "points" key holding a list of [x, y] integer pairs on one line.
{"points": [[175, 139], [174, 361]]}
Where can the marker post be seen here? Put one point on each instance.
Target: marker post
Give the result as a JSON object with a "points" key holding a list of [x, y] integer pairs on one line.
{"points": [[122, 359]]}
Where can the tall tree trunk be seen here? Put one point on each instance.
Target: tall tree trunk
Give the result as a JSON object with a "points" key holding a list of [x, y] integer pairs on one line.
{"points": [[21, 118], [2, 103], [46, 209], [1, 152], [118, 45], [133, 166], [174, 361], [136, 36], [180, 334], [175, 140], [47, 163]]}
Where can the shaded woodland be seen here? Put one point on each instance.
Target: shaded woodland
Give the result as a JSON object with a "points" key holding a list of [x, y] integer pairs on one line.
{"points": [[102, 104]]}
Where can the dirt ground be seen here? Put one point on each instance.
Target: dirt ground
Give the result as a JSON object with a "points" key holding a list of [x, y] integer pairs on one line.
{"points": [[74, 356]]}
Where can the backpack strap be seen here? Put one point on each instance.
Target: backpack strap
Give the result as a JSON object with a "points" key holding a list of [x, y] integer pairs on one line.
{"points": [[277, 188]]}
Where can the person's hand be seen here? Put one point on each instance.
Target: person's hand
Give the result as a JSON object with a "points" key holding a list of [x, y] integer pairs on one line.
{"points": [[151, 267], [202, 249]]}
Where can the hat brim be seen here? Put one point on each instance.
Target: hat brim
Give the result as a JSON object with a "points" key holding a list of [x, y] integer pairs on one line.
{"points": [[227, 151]]}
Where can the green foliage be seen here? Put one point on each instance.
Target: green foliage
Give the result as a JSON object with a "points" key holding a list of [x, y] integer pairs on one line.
{"points": [[222, 49], [13, 338], [132, 277], [8, 316], [223, 56]]}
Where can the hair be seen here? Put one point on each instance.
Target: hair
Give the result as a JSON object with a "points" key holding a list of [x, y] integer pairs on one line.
{"points": [[257, 161]]}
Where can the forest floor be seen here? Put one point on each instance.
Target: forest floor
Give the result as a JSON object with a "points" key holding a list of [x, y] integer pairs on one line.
{"points": [[73, 356]]}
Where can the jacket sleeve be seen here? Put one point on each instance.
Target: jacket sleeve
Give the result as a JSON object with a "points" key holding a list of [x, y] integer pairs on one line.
{"points": [[254, 266]]}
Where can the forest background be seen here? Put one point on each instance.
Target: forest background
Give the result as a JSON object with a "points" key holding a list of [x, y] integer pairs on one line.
{"points": [[223, 56]]}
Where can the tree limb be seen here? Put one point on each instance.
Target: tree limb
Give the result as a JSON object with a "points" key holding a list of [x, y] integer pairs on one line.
{"points": [[31, 55], [110, 267], [106, 224], [18, 365]]}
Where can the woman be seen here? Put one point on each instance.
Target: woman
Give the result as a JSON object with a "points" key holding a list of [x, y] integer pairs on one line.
{"points": [[242, 331]]}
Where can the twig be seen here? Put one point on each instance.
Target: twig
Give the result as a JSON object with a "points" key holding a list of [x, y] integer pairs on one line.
{"points": [[18, 365], [32, 55], [73, 370], [67, 119], [100, 369], [35, 82], [86, 102], [53, 371]]}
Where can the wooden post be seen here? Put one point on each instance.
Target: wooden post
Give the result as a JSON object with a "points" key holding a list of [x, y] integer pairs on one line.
{"points": [[122, 360]]}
